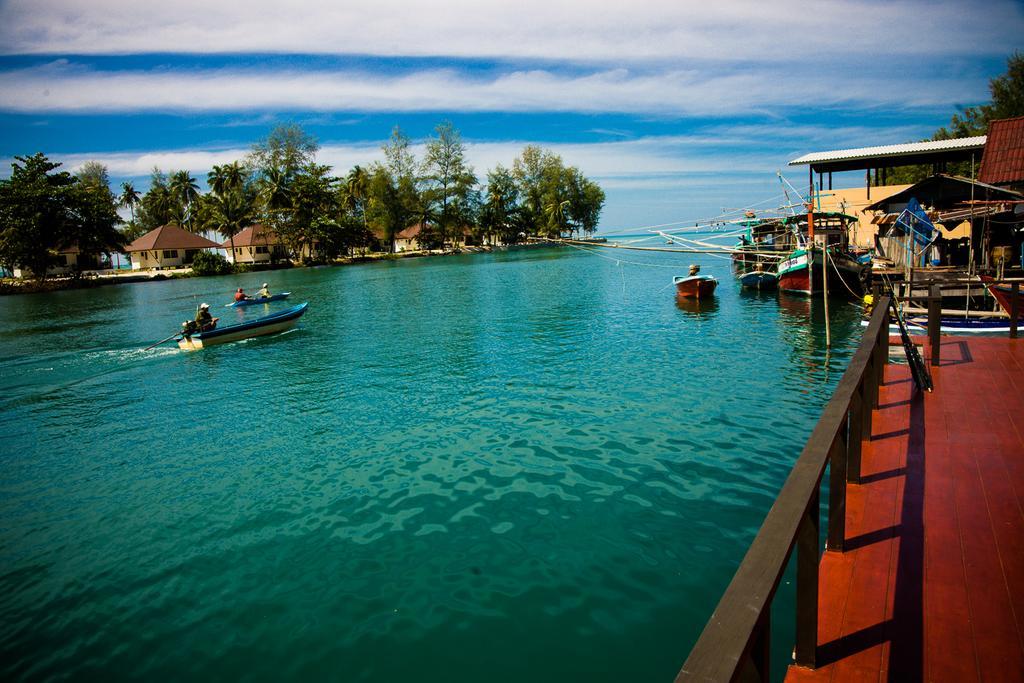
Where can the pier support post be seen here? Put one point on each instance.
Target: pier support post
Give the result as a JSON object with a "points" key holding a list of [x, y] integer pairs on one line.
{"points": [[806, 651], [934, 322], [1014, 312]]}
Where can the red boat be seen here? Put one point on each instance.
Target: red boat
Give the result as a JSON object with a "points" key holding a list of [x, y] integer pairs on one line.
{"points": [[1004, 295], [695, 286]]}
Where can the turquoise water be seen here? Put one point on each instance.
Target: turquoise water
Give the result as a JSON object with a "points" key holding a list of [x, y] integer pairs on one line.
{"points": [[530, 465]]}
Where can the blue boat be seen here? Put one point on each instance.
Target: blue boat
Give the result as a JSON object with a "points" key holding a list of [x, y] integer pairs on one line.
{"points": [[952, 325], [268, 324], [258, 300], [759, 279]]}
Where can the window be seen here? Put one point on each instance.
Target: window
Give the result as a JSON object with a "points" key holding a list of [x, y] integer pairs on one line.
{"points": [[170, 253], [261, 250], [190, 255]]}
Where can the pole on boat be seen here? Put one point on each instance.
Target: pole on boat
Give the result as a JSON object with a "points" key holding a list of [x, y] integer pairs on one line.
{"points": [[162, 341]]}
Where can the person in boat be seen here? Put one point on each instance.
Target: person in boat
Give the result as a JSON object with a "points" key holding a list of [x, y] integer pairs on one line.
{"points": [[694, 269], [205, 321], [264, 292], [240, 295]]}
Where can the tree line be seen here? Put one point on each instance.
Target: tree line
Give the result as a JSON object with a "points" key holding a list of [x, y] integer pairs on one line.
{"points": [[279, 184]]}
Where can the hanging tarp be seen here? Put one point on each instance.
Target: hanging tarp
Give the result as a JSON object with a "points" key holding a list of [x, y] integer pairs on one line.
{"points": [[916, 222]]}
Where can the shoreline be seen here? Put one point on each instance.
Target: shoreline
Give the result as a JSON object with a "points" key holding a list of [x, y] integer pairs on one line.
{"points": [[90, 279]]}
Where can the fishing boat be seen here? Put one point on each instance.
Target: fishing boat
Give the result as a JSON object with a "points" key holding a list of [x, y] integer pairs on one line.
{"points": [[694, 285], [801, 271], [258, 300], [268, 324], [1003, 293], [759, 279]]}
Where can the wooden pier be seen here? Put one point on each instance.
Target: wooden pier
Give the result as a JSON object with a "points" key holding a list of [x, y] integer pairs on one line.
{"points": [[923, 576], [930, 585]]}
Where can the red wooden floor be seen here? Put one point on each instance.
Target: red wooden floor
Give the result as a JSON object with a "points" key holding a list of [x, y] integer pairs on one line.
{"points": [[931, 587]]}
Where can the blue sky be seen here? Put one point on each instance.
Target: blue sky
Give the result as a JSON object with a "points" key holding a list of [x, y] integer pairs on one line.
{"points": [[678, 109]]}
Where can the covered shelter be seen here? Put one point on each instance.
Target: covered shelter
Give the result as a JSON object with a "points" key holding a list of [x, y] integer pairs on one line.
{"points": [[966, 213], [168, 246], [938, 153], [255, 244]]}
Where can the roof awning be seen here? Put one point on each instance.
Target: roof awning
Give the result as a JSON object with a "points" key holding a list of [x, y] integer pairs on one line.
{"points": [[888, 156]]}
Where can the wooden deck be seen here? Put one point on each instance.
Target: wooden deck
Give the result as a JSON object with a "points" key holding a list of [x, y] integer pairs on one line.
{"points": [[931, 586]]}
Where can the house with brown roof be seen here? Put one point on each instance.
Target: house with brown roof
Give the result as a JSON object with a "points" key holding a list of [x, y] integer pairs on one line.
{"points": [[255, 244], [409, 239], [168, 246]]}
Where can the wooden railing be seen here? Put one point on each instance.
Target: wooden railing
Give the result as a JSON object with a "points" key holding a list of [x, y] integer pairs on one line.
{"points": [[735, 642]]}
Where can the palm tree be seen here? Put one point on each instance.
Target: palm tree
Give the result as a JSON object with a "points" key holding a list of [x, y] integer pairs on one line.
{"points": [[183, 186], [129, 198], [556, 217], [232, 213]]}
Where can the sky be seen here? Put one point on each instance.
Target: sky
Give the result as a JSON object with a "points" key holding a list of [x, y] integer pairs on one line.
{"points": [[679, 109]]}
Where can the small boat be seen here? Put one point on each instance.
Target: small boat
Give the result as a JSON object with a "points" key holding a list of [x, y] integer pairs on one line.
{"points": [[1003, 293], [759, 279], [695, 286], [268, 324], [258, 300], [952, 325]]}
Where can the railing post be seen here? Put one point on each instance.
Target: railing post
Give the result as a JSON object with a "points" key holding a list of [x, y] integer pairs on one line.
{"points": [[856, 424], [757, 665], [837, 489], [885, 347], [1014, 312], [806, 650], [934, 322]]}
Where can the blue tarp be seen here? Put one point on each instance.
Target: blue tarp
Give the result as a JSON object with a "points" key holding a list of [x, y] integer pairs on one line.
{"points": [[916, 222]]}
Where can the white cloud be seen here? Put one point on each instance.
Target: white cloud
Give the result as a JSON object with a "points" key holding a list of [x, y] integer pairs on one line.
{"points": [[63, 87], [651, 162], [574, 30]]}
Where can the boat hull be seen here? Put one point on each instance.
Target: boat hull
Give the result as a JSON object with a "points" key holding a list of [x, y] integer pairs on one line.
{"points": [[919, 325], [696, 286], [270, 324], [1004, 295], [760, 280], [794, 274], [251, 302]]}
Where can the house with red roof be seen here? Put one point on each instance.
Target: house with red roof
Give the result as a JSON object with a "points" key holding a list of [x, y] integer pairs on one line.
{"points": [[168, 246], [255, 244]]}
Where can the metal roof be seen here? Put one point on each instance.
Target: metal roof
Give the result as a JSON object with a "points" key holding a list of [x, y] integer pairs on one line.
{"points": [[1004, 154], [887, 151]]}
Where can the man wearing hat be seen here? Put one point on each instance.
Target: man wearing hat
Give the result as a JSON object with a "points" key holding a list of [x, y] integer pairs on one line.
{"points": [[264, 293], [204, 320]]}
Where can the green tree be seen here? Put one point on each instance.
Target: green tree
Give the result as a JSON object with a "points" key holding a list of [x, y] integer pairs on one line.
{"points": [[286, 148], [43, 210], [159, 206], [315, 210], [185, 190], [94, 209], [231, 204], [501, 214], [449, 182]]}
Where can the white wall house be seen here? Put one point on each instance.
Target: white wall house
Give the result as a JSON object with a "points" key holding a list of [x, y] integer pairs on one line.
{"points": [[168, 246], [255, 244]]}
